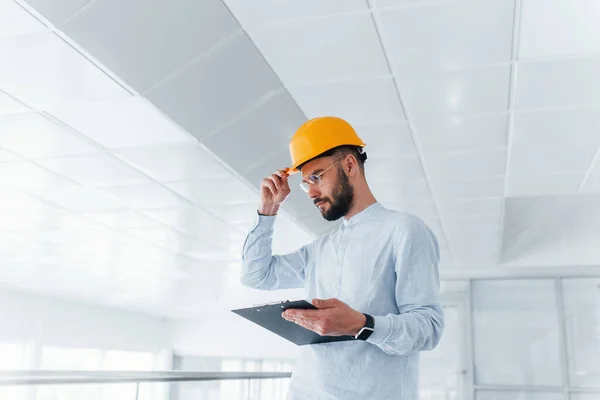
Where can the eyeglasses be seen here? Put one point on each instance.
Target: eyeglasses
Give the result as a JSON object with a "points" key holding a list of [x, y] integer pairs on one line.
{"points": [[315, 179]]}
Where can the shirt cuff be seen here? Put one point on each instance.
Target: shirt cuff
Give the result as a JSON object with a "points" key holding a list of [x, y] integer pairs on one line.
{"points": [[263, 223], [381, 331]]}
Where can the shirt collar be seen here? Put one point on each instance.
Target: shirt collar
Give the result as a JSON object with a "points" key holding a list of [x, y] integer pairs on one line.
{"points": [[370, 210]]}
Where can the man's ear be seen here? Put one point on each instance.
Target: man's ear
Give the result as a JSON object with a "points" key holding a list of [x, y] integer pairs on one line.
{"points": [[351, 165]]}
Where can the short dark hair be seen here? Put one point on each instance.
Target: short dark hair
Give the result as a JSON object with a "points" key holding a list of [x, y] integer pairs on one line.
{"points": [[341, 152]]}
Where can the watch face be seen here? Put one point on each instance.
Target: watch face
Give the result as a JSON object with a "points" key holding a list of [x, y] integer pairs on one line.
{"points": [[364, 332]]}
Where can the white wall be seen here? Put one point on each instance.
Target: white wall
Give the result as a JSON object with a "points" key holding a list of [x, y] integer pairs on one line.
{"points": [[54, 322]]}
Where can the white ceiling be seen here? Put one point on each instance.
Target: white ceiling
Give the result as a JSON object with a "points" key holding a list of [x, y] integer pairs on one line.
{"points": [[133, 135]]}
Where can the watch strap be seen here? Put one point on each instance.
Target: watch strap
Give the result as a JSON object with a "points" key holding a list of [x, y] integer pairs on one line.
{"points": [[367, 330]]}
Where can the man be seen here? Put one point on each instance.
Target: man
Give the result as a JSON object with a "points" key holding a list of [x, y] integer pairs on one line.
{"points": [[375, 277]]}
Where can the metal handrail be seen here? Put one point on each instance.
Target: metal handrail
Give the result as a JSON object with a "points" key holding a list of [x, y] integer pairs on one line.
{"points": [[45, 377]]}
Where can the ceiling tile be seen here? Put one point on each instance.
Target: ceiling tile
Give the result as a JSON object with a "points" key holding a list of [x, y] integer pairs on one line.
{"points": [[198, 223], [406, 169], [450, 35], [14, 20], [558, 83], [550, 159], [143, 41], [387, 140], [265, 11], [279, 160], [57, 11], [126, 123], [122, 219], [489, 210], [215, 89], [215, 191], [237, 214], [324, 49], [45, 71], [145, 196], [543, 183], [267, 129], [15, 202], [79, 199], [7, 156], [160, 236], [401, 193], [473, 91], [557, 127], [463, 133], [34, 136], [178, 162], [467, 166], [29, 177], [471, 189], [551, 28], [359, 102], [94, 170], [469, 231], [423, 209], [9, 105]]}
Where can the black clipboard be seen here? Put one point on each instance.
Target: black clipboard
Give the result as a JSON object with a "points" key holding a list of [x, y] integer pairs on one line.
{"points": [[269, 317]]}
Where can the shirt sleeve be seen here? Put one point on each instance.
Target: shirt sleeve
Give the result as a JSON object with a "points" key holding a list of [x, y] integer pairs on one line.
{"points": [[420, 322], [263, 270]]}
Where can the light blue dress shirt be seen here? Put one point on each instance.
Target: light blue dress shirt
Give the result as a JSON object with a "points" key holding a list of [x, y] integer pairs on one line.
{"points": [[380, 262]]}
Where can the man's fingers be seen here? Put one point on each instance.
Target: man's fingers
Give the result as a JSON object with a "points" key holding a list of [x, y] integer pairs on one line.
{"points": [[325, 303], [306, 314], [276, 181], [282, 173], [270, 185]]}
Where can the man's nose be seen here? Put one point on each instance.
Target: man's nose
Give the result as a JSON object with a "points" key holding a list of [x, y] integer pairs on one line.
{"points": [[313, 191]]}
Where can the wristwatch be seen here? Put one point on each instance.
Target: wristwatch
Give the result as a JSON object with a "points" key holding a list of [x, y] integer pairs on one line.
{"points": [[367, 330]]}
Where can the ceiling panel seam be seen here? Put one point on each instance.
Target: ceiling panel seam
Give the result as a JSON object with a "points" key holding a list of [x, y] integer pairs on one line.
{"points": [[17, 101], [80, 11], [558, 108], [305, 19], [263, 100], [192, 61], [31, 11], [152, 180], [518, 5], [317, 83], [67, 40], [411, 126], [595, 161], [106, 71]]}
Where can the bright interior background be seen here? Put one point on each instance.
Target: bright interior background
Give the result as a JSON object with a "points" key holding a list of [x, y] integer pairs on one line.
{"points": [[133, 135]]}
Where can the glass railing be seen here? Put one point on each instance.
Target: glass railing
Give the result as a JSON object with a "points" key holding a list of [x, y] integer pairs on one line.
{"points": [[128, 385]]}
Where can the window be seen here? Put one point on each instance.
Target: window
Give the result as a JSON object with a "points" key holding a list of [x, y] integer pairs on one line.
{"points": [[117, 360], [70, 358], [581, 299], [75, 359], [263, 389], [13, 357], [128, 361], [489, 395], [440, 370], [516, 333]]}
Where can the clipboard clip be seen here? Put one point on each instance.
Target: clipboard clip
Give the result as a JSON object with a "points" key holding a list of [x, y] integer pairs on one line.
{"points": [[270, 304]]}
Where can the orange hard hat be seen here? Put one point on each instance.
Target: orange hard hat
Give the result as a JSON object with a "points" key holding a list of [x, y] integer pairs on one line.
{"points": [[319, 135]]}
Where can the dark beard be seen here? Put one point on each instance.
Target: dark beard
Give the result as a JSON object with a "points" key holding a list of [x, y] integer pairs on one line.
{"points": [[343, 198]]}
